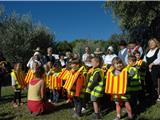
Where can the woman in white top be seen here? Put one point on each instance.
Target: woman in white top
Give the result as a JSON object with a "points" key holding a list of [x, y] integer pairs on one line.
{"points": [[152, 58], [109, 57]]}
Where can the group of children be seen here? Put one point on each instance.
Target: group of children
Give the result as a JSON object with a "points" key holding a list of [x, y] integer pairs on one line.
{"points": [[123, 83]]}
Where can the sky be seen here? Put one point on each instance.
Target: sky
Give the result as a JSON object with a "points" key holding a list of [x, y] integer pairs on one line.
{"points": [[68, 20]]}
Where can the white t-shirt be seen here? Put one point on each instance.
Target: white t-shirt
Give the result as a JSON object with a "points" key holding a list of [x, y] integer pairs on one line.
{"points": [[108, 58], [151, 53]]}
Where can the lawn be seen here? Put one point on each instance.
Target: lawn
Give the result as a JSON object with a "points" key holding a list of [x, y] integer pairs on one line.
{"points": [[64, 111]]}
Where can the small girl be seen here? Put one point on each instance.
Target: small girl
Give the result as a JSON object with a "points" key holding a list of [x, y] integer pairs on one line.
{"points": [[118, 74]]}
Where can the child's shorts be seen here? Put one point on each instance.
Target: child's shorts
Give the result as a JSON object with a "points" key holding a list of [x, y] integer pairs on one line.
{"points": [[94, 98], [120, 98]]}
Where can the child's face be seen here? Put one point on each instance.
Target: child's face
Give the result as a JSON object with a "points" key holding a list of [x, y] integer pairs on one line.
{"points": [[17, 66], [49, 64], [130, 62], [74, 66], [94, 63], [132, 45], [62, 57], [137, 55], [118, 66]]}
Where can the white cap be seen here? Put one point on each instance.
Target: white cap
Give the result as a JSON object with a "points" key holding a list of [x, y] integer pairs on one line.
{"points": [[36, 53], [110, 48]]}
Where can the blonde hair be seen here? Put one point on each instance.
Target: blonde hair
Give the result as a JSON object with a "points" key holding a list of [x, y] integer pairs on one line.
{"points": [[156, 41]]}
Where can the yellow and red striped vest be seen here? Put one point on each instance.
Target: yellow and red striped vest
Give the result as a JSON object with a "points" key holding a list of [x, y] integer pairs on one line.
{"points": [[55, 82], [71, 79], [29, 76], [116, 84], [139, 62], [19, 77], [64, 74]]}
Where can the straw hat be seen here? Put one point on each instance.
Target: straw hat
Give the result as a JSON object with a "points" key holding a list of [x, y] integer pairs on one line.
{"points": [[98, 51], [37, 49]]}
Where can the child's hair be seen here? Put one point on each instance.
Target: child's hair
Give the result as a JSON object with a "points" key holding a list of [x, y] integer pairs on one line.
{"points": [[15, 64], [136, 52], [99, 60], [39, 72], [132, 58], [117, 60]]}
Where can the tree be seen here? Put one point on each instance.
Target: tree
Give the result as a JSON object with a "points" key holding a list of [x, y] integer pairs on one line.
{"points": [[19, 36], [63, 46], [139, 18]]}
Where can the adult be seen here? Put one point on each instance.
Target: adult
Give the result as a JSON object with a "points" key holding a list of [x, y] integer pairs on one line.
{"points": [[123, 52], [134, 46], [5, 69], [152, 59], [98, 52], [50, 56], [36, 102], [62, 60], [109, 56], [35, 58], [86, 55], [69, 56]]}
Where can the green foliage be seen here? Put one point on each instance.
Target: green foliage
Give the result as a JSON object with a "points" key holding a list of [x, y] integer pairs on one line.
{"points": [[63, 111], [19, 36], [63, 46], [139, 18]]}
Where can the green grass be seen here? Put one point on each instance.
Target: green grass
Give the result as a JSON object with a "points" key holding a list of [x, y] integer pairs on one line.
{"points": [[63, 111]]}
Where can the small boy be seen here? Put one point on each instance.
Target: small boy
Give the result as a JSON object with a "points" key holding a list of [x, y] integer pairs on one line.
{"points": [[76, 78], [96, 85], [134, 82], [17, 77]]}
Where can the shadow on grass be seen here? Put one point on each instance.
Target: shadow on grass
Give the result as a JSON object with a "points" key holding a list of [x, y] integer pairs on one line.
{"points": [[9, 98], [5, 116]]}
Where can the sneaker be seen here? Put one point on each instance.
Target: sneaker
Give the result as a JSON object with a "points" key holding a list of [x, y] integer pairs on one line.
{"points": [[117, 118], [96, 116], [83, 109], [21, 104], [158, 100], [15, 105], [35, 114]]}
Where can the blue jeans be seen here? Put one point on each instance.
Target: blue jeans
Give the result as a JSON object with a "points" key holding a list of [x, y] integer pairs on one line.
{"points": [[55, 95], [78, 105]]}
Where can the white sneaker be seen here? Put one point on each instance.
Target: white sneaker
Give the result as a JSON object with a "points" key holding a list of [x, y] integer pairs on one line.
{"points": [[83, 109]]}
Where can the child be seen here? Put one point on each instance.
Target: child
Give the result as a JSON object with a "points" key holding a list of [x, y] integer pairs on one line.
{"points": [[57, 82], [116, 85], [35, 100], [75, 86], [17, 76], [95, 85], [141, 66], [48, 73], [134, 82]]}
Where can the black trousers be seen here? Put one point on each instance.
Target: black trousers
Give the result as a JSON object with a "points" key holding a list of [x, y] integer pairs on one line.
{"points": [[78, 105], [153, 81], [17, 95]]}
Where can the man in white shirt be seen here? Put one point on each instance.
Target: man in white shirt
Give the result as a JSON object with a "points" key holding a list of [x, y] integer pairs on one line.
{"points": [[123, 53], [86, 55]]}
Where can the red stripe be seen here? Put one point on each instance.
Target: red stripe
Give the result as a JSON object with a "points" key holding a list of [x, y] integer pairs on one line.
{"points": [[108, 78], [112, 84], [123, 82], [57, 82], [118, 84], [62, 74], [51, 82]]}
